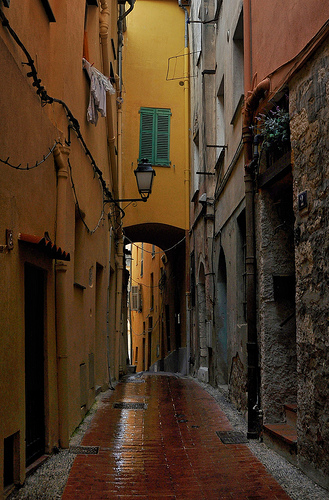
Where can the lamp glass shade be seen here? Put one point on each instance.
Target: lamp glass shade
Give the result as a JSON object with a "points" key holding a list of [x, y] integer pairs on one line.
{"points": [[144, 177]]}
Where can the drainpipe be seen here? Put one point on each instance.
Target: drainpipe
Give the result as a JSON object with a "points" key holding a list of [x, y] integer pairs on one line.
{"points": [[61, 154], [118, 180], [120, 183], [118, 307], [108, 313], [104, 22], [251, 106], [187, 184], [123, 14]]}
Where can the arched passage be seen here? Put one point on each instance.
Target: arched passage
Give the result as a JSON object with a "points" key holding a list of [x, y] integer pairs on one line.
{"points": [[158, 288], [162, 235]]}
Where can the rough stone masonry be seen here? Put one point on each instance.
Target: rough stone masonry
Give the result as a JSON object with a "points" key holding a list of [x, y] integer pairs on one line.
{"points": [[309, 111]]}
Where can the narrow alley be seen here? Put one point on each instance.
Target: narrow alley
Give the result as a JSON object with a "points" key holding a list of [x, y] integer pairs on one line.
{"points": [[156, 436]]}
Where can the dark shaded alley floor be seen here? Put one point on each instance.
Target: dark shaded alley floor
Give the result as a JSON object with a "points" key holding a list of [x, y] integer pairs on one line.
{"points": [[157, 439]]}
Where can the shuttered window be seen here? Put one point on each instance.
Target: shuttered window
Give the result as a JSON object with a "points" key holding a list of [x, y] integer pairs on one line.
{"points": [[155, 135], [136, 298]]}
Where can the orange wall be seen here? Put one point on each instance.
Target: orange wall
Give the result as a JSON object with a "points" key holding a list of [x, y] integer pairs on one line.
{"points": [[28, 204], [280, 30]]}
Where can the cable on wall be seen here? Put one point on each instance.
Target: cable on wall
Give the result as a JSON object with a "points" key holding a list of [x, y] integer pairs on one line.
{"points": [[154, 253], [46, 99], [34, 165], [90, 231]]}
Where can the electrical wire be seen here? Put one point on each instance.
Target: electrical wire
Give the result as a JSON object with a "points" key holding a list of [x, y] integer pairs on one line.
{"points": [[90, 231], [73, 122], [155, 253], [149, 286], [34, 165]]}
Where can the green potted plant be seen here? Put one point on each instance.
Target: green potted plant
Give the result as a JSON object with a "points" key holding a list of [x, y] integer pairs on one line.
{"points": [[274, 129]]}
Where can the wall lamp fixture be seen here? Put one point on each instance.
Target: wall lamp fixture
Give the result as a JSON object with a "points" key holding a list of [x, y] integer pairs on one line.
{"points": [[144, 177]]}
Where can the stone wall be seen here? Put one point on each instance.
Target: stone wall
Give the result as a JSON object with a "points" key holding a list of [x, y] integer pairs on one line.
{"points": [[309, 110], [276, 305]]}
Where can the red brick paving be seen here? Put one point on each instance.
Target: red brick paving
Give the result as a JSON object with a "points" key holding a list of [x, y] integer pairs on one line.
{"points": [[170, 451]]}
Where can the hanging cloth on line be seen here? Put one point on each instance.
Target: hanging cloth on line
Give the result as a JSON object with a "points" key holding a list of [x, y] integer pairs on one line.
{"points": [[99, 85]]}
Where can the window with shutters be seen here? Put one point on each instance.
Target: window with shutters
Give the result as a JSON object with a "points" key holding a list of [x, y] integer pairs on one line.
{"points": [[154, 142], [136, 298]]}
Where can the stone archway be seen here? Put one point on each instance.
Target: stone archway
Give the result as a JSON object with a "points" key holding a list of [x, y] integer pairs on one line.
{"points": [[165, 326]]}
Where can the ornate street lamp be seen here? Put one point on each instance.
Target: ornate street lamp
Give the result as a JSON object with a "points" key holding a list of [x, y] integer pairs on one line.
{"points": [[144, 176]]}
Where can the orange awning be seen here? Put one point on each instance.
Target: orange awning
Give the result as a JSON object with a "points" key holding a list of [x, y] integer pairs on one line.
{"points": [[45, 243]]}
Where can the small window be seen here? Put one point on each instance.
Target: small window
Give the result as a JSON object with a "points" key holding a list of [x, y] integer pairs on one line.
{"points": [[238, 66], [151, 291], [11, 461], [136, 298], [155, 136]]}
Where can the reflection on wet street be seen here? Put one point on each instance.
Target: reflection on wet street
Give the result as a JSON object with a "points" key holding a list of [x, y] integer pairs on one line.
{"points": [[157, 439]]}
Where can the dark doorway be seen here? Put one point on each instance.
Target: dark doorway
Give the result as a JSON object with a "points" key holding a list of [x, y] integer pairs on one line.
{"points": [[149, 348], [221, 319], [34, 362]]}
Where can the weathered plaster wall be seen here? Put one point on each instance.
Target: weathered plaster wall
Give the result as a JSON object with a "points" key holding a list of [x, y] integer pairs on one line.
{"points": [[309, 135], [230, 361]]}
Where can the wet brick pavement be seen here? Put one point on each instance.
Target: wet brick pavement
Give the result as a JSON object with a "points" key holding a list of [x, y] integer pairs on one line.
{"points": [[165, 447]]}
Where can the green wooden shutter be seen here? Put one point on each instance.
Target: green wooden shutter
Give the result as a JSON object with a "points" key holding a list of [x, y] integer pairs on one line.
{"points": [[154, 142], [146, 138], [162, 142]]}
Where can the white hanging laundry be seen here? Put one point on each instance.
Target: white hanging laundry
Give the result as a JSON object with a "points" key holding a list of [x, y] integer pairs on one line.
{"points": [[99, 85]]}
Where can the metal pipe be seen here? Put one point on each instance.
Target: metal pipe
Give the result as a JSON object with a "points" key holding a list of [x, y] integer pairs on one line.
{"points": [[61, 154], [118, 306], [125, 14], [104, 21], [108, 313], [187, 186], [251, 161]]}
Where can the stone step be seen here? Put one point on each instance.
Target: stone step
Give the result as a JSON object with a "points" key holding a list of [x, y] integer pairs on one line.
{"points": [[291, 414], [283, 439]]}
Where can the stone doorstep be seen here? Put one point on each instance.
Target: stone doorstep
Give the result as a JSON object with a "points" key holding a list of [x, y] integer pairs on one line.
{"points": [[282, 438], [35, 465], [284, 431]]}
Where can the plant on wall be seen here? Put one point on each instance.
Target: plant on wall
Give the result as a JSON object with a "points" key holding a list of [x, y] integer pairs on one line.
{"points": [[274, 129]]}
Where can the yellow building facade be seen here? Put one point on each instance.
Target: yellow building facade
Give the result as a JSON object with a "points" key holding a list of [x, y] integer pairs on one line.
{"points": [[146, 306], [155, 126], [61, 252]]}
